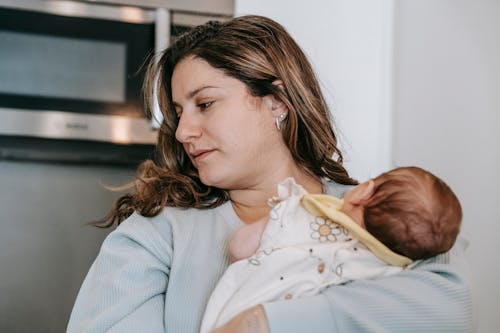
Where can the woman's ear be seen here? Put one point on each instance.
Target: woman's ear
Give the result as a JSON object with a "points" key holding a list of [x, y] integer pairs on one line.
{"points": [[274, 104], [279, 84]]}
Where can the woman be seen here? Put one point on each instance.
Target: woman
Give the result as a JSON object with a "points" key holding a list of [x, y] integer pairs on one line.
{"points": [[242, 111]]}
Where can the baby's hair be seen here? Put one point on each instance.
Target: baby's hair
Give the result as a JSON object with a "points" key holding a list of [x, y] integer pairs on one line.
{"points": [[413, 212]]}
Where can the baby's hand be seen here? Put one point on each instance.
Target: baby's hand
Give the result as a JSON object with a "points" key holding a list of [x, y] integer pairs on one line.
{"points": [[252, 320]]}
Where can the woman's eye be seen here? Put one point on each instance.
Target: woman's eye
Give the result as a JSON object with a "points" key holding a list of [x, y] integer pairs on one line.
{"points": [[204, 106]]}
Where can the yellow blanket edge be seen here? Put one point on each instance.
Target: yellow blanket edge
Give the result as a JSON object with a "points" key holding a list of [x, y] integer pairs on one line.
{"points": [[328, 206]]}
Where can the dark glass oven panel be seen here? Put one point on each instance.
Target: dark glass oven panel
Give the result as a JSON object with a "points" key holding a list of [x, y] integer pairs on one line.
{"points": [[110, 38]]}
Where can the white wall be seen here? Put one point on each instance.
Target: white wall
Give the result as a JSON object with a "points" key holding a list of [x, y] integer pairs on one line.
{"points": [[447, 108], [348, 43], [415, 82]]}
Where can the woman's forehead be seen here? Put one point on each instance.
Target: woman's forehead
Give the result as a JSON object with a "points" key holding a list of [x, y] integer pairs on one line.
{"points": [[192, 75]]}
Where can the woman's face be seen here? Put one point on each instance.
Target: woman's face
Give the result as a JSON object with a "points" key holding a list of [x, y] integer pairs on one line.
{"points": [[228, 134]]}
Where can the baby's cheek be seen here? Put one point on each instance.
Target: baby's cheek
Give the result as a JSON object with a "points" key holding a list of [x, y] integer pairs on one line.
{"points": [[245, 241]]}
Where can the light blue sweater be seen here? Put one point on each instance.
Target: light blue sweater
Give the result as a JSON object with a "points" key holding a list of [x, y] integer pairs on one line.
{"points": [[156, 275]]}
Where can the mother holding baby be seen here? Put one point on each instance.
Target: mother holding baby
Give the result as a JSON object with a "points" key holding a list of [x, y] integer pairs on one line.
{"points": [[242, 111]]}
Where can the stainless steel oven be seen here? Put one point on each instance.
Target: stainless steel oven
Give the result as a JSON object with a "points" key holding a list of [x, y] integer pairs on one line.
{"points": [[71, 75]]}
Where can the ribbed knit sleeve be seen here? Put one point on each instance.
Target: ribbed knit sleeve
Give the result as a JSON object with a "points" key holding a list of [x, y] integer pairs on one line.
{"points": [[125, 288], [433, 296]]}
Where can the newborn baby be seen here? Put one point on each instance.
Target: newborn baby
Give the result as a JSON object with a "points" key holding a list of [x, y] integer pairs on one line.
{"points": [[310, 242]]}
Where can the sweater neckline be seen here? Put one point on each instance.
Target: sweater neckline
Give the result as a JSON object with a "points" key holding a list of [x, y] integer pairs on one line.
{"points": [[230, 216]]}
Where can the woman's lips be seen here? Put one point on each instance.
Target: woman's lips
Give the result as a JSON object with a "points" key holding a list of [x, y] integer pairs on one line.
{"points": [[200, 155]]}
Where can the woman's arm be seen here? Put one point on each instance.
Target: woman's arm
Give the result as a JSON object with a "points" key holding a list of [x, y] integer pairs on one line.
{"points": [[125, 288], [434, 296]]}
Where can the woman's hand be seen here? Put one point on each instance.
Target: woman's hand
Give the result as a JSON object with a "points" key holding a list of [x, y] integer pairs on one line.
{"points": [[252, 320]]}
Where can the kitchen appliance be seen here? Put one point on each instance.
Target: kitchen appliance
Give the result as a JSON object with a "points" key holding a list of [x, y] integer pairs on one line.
{"points": [[71, 75]]}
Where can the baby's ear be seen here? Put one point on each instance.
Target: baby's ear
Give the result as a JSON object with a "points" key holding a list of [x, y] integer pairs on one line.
{"points": [[364, 192], [369, 190]]}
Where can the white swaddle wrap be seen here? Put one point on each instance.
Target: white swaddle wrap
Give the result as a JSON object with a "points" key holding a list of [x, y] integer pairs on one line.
{"points": [[299, 255]]}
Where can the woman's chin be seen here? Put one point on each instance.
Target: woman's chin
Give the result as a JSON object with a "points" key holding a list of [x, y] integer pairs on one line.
{"points": [[210, 179]]}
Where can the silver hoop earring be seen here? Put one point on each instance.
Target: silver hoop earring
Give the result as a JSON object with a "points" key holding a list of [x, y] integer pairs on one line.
{"points": [[279, 119]]}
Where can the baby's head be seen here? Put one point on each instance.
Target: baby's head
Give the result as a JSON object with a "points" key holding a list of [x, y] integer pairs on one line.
{"points": [[410, 210]]}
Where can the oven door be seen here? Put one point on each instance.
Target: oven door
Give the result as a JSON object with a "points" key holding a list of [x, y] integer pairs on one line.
{"points": [[79, 64], [73, 73]]}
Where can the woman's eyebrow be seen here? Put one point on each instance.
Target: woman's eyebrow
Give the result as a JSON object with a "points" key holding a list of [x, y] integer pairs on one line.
{"points": [[197, 90], [193, 93]]}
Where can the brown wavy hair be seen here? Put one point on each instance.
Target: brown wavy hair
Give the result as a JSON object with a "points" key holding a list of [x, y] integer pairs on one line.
{"points": [[413, 212], [257, 51]]}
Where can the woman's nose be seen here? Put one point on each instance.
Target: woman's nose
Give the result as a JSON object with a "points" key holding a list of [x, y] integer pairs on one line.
{"points": [[188, 128]]}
